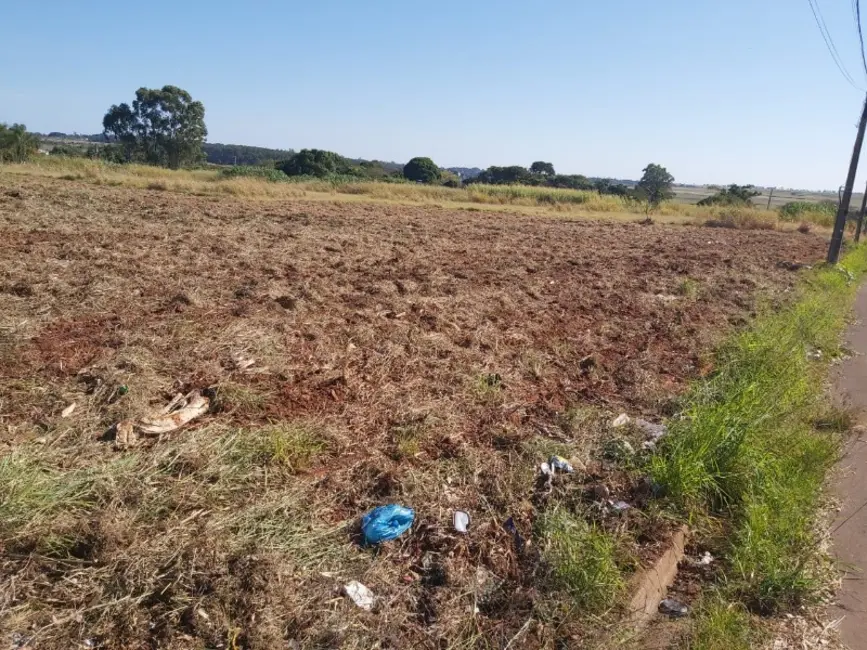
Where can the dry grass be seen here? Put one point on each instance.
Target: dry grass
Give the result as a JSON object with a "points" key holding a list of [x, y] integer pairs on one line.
{"points": [[524, 199], [403, 354]]}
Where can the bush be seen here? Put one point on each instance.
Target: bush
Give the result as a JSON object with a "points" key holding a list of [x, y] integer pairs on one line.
{"points": [[17, 144], [732, 195], [422, 170]]}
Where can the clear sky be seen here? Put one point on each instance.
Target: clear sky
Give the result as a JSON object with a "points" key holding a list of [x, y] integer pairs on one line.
{"points": [[717, 91]]}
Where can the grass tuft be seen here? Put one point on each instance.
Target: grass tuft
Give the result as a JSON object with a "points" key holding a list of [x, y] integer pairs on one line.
{"points": [[289, 445], [582, 560], [720, 626]]}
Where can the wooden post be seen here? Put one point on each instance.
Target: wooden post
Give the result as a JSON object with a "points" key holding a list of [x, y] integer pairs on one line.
{"points": [[843, 211]]}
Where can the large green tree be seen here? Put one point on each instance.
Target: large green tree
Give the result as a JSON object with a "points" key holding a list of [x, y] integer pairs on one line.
{"points": [[655, 185], [543, 168], [422, 170], [17, 144], [162, 127]]}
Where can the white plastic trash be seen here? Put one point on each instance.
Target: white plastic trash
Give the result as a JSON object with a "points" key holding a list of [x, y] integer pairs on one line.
{"points": [[360, 595], [621, 420], [461, 521]]}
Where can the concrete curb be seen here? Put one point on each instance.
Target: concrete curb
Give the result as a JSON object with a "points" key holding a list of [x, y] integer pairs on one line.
{"points": [[650, 586]]}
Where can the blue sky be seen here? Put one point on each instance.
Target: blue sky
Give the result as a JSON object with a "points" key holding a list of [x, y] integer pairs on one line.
{"points": [[738, 91]]}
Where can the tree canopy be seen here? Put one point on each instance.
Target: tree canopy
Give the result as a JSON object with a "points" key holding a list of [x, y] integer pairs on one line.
{"points": [[238, 154], [541, 167], [422, 170], [17, 144], [512, 175], [314, 162], [655, 184], [162, 127]]}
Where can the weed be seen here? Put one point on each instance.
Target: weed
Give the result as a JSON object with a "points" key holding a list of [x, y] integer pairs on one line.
{"points": [[488, 387], [293, 446], [582, 560], [407, 438], [689, 288]]}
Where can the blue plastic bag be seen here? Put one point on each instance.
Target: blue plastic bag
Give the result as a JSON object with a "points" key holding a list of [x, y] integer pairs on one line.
{"points": [[385, 523]]}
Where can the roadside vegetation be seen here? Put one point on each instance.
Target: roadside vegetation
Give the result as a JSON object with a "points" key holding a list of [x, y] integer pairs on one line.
{"points": [[746, 461]]}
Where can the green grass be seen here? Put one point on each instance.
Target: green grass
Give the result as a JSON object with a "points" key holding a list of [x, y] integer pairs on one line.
{"points": [[250, 171], [718, 625], [582, 560], [748, 451], [822, 213], [293, 446], [38, 498]]}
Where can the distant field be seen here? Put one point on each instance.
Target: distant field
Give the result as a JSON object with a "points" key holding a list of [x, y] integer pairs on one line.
{"points": [[692, 194], [523, 199]]}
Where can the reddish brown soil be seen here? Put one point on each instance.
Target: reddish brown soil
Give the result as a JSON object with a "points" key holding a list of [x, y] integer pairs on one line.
{"points": [[481, 328]]}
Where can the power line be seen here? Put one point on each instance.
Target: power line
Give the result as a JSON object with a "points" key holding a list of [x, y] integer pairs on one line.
{"points": [[860, 33], [829, 41], [835, 53]]}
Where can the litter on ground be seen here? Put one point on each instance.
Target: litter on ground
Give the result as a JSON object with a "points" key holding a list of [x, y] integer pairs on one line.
{"points": [[385, 523], [360, 595], [510, 527], [558, 463], [461, 521], [181, 410], [621, 421], [673, 608]]}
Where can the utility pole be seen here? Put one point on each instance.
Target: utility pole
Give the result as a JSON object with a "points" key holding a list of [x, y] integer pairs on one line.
{"points": [[861, 217], [771, 196], [843, 211]]}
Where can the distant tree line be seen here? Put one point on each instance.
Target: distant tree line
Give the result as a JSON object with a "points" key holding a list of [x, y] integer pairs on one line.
{"points": [[237, 154], [542, 173], [166, 126], [318, 163]]}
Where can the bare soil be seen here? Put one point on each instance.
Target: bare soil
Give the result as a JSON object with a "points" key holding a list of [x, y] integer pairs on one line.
{"points": [[438, 355]]}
